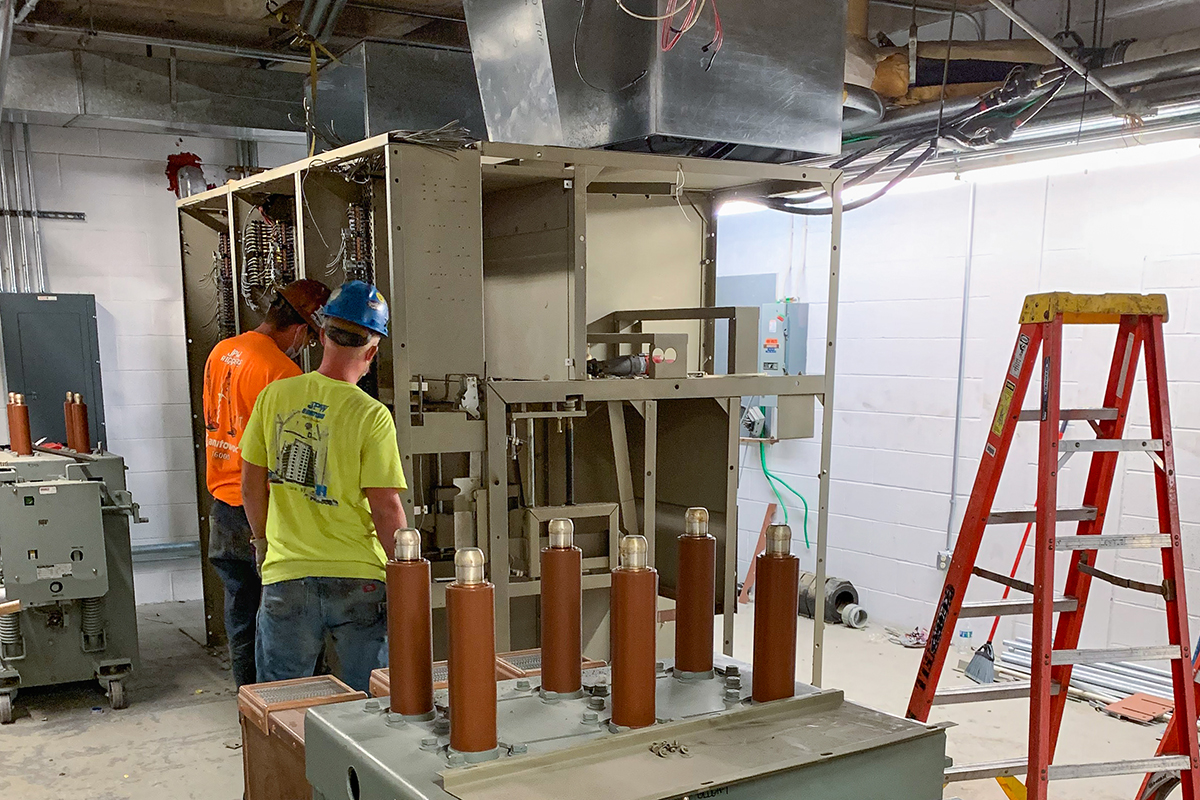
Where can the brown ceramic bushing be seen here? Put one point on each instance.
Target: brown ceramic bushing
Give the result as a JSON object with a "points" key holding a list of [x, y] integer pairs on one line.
{"points": [[471, 617], [410, 636], [19, 437], [69, 422], [633, 612], [562, 611], [776, 603], [83, 434], [695, 599]]}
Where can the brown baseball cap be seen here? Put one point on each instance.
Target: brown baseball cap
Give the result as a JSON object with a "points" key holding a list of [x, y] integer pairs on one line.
{"points": [[306, 296]]}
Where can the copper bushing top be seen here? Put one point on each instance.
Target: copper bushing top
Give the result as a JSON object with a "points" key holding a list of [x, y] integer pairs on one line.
{"points": [[78, 397], [779, 540], [634, 552], [562, 534], [468, 566], [695, 522], [408, 544]]}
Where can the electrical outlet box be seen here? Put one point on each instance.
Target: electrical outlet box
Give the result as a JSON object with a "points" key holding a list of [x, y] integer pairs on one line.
{"points": [[943, 559]]}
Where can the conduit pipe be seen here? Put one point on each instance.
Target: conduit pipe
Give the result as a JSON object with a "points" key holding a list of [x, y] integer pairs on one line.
{"points": [[1185, 64], [18, 207], [35, 220]]}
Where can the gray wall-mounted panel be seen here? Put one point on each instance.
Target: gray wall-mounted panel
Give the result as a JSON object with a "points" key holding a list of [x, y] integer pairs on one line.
{"points": [[50, 348]]}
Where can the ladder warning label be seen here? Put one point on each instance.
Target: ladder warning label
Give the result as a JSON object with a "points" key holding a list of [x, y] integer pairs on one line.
{"points": [[1006, 396], [1019, 356]]}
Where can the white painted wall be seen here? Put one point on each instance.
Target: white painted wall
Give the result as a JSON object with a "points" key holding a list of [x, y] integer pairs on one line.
{"points": [[1083, 228], [127, 255]]}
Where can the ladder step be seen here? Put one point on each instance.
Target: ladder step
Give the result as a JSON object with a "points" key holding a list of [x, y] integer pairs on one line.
{"points": [[1007, 608], [1062, 515], [1110, 541], [1131, 766], [1108, 445], [1065, 772], [987, 769], [1008, 690], [1035, 414], [1165, 652]]}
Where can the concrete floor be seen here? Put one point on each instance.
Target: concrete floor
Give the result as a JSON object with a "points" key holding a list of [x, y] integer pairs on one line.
{"points": [[179, 738]]}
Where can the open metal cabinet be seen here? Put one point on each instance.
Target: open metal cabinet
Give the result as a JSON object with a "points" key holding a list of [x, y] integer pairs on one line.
{"points": [[514, 272]]}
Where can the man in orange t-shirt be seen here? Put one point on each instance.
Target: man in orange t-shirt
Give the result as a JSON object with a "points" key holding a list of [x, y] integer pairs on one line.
{"points": [[238, 369]]}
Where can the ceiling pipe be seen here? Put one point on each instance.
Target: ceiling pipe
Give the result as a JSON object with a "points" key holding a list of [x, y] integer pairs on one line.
{"points": [[1062, 55], [155, 41], [331, 20], [1185, 64], [927, 9]]}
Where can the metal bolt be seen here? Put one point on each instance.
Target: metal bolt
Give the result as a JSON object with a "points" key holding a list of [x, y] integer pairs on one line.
{"points": [[733, 696], [371, 705], [429, 743], [597, 703], [732, 670], [519, 748], [590, 716], [659, 666], [395, 720], [733, 682], [441, 726], [523, 685], [457, 759]]}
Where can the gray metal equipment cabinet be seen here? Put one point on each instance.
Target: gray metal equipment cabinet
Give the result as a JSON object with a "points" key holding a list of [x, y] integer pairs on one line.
{"points": [[552, 348]]}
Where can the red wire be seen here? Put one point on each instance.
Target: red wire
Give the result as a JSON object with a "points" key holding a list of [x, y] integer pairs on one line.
{"points": [[666, 44]]}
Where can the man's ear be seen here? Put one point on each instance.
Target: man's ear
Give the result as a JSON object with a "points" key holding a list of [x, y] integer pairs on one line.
{"points": [[321, 336], [371, 352]]}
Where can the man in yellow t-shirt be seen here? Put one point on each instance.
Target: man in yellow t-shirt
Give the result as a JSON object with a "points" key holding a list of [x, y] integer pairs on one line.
{"points": [[237, 369], [321, 482]]}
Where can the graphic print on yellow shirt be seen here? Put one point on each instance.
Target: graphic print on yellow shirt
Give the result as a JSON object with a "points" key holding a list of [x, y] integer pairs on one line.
{"points": [[322, 441]]}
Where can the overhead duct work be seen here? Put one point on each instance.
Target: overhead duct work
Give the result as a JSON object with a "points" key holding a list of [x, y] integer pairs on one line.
{"points": [[592, 75], [375, 88], [56, 86]]}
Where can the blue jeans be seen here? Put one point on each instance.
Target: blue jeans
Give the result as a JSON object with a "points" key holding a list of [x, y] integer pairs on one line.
{"points": [[230, 554], [295, 615]]}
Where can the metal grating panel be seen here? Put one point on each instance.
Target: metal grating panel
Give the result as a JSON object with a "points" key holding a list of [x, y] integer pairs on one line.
{"points": [[527, 662], [270, 694]]}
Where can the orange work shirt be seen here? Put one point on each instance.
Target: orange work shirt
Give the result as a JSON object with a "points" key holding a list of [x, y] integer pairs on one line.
{"points": [[236, 371]]}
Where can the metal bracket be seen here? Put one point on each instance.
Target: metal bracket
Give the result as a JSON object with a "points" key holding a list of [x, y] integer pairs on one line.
{"points": [[1166, 589], [78, 216]]}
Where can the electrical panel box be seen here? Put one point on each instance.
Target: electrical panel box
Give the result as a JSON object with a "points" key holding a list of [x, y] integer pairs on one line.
{"points": [[783, 338], [51, 347], [52, 541]]}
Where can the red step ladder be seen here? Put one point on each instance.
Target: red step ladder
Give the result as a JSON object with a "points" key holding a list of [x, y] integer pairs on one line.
{"points": [[1139, 321]]}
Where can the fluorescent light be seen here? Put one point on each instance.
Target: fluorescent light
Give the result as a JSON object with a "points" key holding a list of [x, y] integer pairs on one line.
{"points": [[733, 208], [1134, 155]]}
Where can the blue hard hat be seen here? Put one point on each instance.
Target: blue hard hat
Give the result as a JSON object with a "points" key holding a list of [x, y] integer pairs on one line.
{"points": [[360, 303]]}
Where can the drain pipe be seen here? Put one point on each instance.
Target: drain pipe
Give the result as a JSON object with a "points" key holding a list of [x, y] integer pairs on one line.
{"points": [[962, 368], [35, 222], [7, 9]]}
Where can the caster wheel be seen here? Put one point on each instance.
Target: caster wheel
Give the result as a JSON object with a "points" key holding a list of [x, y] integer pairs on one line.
{"points": [[6, 709], [116, 695]]}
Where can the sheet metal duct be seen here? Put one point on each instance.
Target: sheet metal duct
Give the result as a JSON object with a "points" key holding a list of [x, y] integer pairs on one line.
{"points": [[79, 86], [589, 75], [380, 87]]}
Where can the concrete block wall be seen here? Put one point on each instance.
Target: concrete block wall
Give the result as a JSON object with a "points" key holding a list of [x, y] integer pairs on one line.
{"points": [[1088, 227], [127, 255]]}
